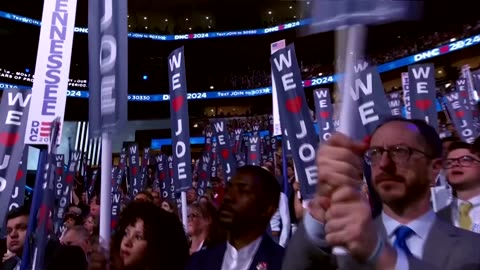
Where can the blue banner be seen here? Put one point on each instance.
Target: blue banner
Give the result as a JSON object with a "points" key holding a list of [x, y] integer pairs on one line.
{"points": [[144, 176], [461, 116], [182, 161], [423, 93], [324, 113], [162, 175], [295, 119], [18, 195], [13, 119], [395, 103], [108, 65], [42, 232], [59, 177], [226, 156], [135, 184]]}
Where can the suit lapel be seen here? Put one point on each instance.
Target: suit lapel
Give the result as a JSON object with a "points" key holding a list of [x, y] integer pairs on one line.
{"points": [[441, 236], [381, 227], [216, 256], [262, 255]]}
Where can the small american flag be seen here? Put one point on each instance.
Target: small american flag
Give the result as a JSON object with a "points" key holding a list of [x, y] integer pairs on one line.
{"points": [[278, 45]]}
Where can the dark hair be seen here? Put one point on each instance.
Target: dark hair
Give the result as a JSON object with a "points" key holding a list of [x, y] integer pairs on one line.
{"points": [[147, 194], [23, 210], [77, 219], [167, 245], [462, 145], [449, 139], [215, 179], [432, 141], [269, 185]]}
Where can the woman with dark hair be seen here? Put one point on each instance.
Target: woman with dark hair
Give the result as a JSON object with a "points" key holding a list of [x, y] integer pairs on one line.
{"points": [[147, 238], [202, 226]]}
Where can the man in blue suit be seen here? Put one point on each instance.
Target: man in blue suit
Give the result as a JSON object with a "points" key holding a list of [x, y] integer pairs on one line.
{"points": [[251, 198]]}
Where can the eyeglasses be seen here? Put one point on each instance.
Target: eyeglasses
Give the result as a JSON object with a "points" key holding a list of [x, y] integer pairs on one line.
{"points": [[463, 161], [397, 154]]}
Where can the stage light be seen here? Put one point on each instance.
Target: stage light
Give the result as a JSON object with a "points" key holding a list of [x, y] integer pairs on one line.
{"points": [[186, 19], [144, 18], [452, 39], [27, 70], [145, 77], [207, 18], [290, 7], [308, 2], [320, 74], [166, 20], [211, 87], [190, 28], [269, 13], [146, 27], [129, 25], [195, 125]]}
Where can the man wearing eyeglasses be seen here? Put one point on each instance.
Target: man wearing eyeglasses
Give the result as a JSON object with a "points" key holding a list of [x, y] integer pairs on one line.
{"points": [[462, 167], [407, 235]]}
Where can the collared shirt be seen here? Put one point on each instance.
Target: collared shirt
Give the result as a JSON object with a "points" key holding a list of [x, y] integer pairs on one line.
{"points": [[280, 221], [240, 259], [474, 213], [421, 226]]}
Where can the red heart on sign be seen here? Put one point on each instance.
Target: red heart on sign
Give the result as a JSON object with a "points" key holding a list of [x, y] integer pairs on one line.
{"points": [[460, 114], [253, 156], [19, 175], [69, 179], [177, 103], [113, 224], [324, 115], [9, 139], [59, 171], [225, 154], [464, 94], [134, 170], [203, 175], [423, 104], [294, 105], [207, 147], [162, 176]]}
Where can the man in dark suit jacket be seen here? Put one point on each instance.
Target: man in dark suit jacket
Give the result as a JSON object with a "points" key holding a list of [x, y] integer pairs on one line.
{"points": [[407, 235], [250, 200], [17, 222]]}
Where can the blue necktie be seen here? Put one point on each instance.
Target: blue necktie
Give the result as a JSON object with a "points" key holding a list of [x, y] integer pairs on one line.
{"points": [[402, 234]]}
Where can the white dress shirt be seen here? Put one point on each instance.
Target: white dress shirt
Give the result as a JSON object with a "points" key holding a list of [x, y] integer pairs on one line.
{"points": [[474, 213], [281, 218], [240, 259], [421, 227]]}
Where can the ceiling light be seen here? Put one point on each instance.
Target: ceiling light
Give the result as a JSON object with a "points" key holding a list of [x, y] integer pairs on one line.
{"points": [[186, 19], [290, 7], [211, 86], [269, 13], [189, 28], [166, 20], [144, 18], [207, 18]]}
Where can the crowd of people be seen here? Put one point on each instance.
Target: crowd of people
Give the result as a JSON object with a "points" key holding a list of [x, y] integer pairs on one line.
{"points": [[408, 45], [240, 224]]}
